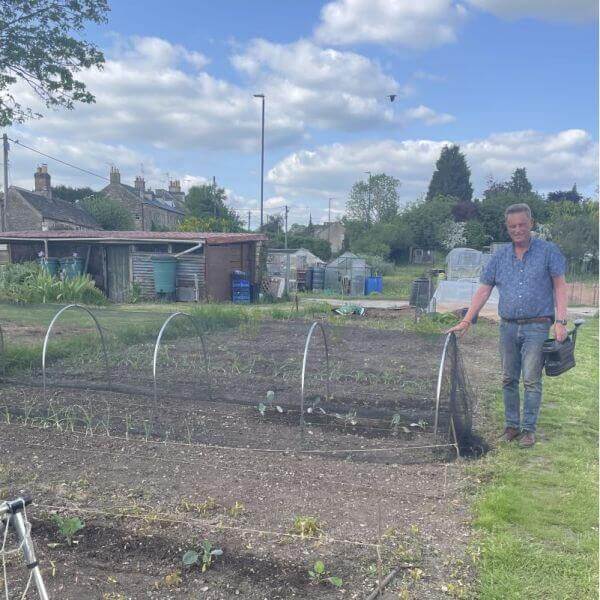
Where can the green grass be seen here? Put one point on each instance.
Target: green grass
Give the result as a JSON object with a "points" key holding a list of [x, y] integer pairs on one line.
{"points": [[537, 512]]}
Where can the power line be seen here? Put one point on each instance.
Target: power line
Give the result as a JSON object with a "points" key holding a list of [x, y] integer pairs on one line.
{"points": [[18, 143]]}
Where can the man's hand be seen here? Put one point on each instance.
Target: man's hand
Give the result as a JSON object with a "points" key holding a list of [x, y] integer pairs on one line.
{"points": [[560, 332], [460, 328]]}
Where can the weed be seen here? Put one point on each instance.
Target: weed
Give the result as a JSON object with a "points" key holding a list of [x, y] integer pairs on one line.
{"points": [[320, 575], [307, 527], [68, 527], [237, 509], [205, 557], [269, 403]]}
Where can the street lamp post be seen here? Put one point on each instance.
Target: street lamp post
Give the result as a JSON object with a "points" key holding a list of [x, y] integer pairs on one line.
{"points": [[369, 201], [262, 158]]}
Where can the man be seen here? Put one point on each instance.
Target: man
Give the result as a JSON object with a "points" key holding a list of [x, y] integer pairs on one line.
{"points": [[530, 277]]}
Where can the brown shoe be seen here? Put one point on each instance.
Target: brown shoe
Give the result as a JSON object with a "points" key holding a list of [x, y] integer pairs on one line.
{"points": [[527, 439], [510, 433]]}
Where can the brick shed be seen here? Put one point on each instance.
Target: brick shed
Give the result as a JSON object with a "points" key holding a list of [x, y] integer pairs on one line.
{"points": [[120, 261]]}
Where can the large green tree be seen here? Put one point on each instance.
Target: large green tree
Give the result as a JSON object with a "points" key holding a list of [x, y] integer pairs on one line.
{"points": [[375, 200], [452, 176], [108, 212], [519, 184], [41, 45], [208, 201], [71, 194]]}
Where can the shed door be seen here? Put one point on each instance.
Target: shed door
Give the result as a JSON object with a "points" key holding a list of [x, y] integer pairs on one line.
{"points": [[221, 260], [117, 272]]}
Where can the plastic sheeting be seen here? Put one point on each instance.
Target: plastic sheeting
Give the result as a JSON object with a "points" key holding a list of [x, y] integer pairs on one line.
{"points": [[452, 295], [464, 263]]}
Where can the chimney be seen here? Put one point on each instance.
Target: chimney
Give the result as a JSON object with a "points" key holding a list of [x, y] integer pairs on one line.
{"points": [[115, 176], [140, 184], [175, 186], [42, 181]]}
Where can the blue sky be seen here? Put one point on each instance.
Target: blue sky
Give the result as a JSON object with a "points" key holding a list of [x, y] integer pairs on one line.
{"points": [[515, 83]]}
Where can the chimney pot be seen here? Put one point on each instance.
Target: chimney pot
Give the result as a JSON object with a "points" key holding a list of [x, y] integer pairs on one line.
{"points": [[42, 181], [115, 175]]}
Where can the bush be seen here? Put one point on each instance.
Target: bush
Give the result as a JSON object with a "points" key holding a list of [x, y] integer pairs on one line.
{"points": [[380, 265], [29, 283], [108, 212]]}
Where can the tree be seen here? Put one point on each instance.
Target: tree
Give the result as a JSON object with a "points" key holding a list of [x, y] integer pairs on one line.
{"points": [[475, 235], [37, 47], [426, 218], [70, 194], [464, 210], [519, 184], [452, 176], [375, 201], [206, 202], [273, 227], [208, 224], [571, 195], [108, 212]]}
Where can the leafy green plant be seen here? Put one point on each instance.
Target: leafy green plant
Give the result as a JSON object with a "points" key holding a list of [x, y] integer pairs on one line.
{"points": [[204, 557], [320, 575], [269, 403], [68, 527]]}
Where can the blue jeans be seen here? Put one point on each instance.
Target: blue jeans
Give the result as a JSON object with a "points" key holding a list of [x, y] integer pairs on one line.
{"points": [[521, 352]]}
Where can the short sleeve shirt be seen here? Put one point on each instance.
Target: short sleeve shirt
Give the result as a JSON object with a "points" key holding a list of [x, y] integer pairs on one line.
{"points": [[525, 286]]}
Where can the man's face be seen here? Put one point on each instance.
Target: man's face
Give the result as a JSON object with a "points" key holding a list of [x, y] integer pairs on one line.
{"points": [[519, 227]]}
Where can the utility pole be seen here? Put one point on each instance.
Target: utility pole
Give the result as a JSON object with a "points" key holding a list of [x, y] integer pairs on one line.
{"points": [[5, 159], [287, 210], [369, 202], [249, 214], [262, 159], [329, 223]]}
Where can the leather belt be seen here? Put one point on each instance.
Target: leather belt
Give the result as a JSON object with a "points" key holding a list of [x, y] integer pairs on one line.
{"points": [[530, 320]]}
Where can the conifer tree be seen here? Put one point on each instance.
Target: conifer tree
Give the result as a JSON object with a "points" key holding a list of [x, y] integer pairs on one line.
{"points": [[452, 176]]}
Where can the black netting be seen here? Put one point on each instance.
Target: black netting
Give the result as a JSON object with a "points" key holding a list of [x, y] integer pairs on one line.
{"points": [[228, 378]]}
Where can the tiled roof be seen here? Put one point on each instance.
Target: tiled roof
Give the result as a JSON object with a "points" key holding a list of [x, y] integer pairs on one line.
{"points": [[55, 208], [210, 238]]}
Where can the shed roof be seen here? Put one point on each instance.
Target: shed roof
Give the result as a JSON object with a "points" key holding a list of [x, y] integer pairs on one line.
{"points": [[55, 208], [209, 238]]}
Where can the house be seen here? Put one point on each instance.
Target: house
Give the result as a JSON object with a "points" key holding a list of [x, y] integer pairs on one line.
{"points": [[120, 262], [26, 210], [163, 209], [334, 233]]}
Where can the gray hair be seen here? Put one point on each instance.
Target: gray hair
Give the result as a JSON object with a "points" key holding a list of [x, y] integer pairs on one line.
{"points": [[517, 208]]}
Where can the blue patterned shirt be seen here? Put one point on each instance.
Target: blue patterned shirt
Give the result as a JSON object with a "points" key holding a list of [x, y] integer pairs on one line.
{"points": [[525, 286]]}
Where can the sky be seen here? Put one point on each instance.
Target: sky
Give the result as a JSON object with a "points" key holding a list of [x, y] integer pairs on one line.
{"points": [[513, 82]]}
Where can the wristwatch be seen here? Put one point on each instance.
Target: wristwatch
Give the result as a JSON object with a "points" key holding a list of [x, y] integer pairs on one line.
{"points": [[561, 322]]}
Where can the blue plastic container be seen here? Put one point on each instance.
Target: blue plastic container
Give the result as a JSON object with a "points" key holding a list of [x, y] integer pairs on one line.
{"points": [[50, 265], [373, 284], [165, 269], [71, 266]]}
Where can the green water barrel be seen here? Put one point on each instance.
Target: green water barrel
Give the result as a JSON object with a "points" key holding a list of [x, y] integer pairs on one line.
{"points": [[50, 265], [165, 268], [72, 266]]}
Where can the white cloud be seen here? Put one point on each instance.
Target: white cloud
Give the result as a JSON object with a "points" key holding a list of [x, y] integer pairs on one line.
{"points": [[552, 160], [319, 87], [428, 115], [416, 24], [275, 202], [551, 10]]}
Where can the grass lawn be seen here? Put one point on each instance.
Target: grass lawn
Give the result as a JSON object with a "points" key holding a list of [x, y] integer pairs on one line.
{"points": [[536, 513]]}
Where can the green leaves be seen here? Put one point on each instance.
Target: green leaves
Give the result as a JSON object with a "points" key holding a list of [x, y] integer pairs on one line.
{"points": [[68, 527], [42, 52], [319, 575], [190, 558]]}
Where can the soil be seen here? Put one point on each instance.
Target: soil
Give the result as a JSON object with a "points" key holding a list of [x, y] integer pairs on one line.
{"points": [[215, 468]]}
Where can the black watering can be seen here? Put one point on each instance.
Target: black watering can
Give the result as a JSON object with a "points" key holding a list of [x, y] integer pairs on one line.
{"points": [[560, 356]]}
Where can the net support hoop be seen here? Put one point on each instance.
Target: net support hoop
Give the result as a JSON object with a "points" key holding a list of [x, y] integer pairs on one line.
{"points": [[304, 360], [438, 392], [49, 331]]}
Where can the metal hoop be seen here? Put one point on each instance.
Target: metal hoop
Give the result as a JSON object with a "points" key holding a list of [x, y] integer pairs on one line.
{"points": [[2, 353], [304, 359], [439, 383], [157, 347], [49, 330]]}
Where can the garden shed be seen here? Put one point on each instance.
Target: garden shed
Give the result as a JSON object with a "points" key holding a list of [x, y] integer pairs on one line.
{"points": [[347, 275], [120, 262]]}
